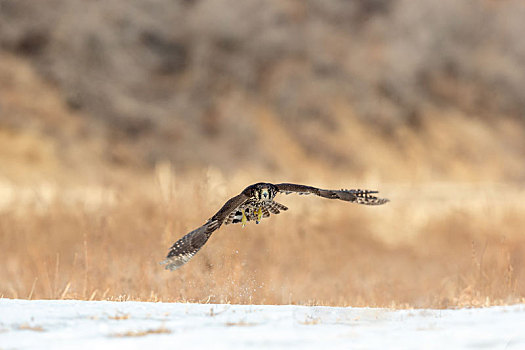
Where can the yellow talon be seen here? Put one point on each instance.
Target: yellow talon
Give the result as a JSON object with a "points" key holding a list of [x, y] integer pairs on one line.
{"points": [[243, 219], [259, 215]]}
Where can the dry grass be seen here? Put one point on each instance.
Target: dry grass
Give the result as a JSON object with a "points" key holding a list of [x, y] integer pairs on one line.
{"points": [[28, 327], [160, 330], [433, 246], [241, 323], [119, 317]]}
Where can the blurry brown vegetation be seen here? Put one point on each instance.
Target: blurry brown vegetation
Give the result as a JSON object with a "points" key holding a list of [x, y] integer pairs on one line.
{"points": [[125, 124], [356, 86], [445, 246]]}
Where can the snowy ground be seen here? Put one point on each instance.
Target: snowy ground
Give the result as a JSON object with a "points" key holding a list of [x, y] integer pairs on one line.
{"points": [[70, 324]]}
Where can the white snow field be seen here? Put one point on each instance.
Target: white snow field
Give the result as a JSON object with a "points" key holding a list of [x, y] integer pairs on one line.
{"points": [[71, 324]]}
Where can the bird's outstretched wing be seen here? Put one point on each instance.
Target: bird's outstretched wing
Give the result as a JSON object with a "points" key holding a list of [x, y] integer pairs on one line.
{"points": [[357, 196], [186, 247]]}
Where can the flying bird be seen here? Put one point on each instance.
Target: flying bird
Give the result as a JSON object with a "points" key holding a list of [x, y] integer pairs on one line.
{"points": [[254, 203]]}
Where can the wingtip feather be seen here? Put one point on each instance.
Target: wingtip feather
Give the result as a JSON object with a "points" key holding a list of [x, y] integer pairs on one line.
{"points": [[175, 262]]}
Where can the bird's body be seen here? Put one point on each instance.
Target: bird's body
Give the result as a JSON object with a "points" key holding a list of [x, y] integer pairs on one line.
{"points": [[254, 203], [259, 205]]}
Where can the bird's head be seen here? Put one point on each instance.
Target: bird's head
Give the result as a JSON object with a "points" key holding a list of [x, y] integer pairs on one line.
{"points": [[264, 192]]}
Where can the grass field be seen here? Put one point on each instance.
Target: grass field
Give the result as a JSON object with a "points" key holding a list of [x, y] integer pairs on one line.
{"points": [[434, 245]]}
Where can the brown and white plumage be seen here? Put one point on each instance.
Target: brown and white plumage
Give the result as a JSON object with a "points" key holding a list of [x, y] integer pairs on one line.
{"points": [[252, 204]]}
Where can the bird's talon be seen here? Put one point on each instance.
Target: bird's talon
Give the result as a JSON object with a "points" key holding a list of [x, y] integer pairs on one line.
{"points": [[244, 219]]}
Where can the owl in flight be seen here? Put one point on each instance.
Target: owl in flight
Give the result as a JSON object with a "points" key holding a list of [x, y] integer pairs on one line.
{"points": [[254, 203]]}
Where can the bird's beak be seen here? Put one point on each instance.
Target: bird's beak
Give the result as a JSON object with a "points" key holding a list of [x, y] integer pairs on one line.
{"points": [[265, 194]]}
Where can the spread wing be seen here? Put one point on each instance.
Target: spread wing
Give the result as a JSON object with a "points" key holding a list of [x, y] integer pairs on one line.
{"points": [[185, 248], [357, 196]]}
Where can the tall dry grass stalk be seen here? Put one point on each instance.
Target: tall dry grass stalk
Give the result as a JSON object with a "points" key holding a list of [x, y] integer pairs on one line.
{"points": [[433, 245]]}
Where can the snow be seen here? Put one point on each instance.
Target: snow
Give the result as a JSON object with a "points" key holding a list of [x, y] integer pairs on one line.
{"points": [[71, 324]]}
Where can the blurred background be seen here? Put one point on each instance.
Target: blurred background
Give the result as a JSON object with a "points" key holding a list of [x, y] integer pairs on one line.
{"points": [[125, 124]]}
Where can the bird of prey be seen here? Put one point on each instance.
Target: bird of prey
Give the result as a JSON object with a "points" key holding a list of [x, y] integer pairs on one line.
{"points": [[254, 203]]}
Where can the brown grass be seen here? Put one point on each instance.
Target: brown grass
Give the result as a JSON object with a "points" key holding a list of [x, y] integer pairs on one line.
{"points": [[435, 245], [160, 330], [241, 323], [28, 327]]}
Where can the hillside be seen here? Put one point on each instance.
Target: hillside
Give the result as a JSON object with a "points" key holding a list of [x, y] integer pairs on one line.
{"points": [[396, 90]]}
